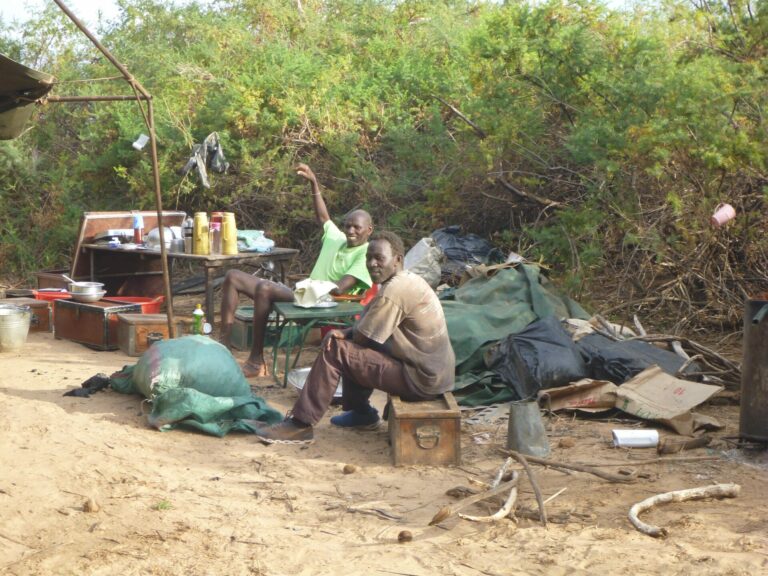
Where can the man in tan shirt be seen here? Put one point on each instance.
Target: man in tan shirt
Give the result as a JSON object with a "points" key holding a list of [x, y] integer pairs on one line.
{"points": [[399, 345]]}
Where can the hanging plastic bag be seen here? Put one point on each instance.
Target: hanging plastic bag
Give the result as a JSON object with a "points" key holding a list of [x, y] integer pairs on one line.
{"points": [[208, 155]]}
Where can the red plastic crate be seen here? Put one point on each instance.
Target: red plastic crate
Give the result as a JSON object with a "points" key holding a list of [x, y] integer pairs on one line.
{"points": [[149, 304], [50, 295]]}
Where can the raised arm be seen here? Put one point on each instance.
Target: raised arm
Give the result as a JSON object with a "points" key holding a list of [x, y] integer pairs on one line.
{"points": [[321, 211]]}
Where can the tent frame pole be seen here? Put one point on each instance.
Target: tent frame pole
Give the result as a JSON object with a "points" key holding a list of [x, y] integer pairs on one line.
{"points": [[149, 118]]}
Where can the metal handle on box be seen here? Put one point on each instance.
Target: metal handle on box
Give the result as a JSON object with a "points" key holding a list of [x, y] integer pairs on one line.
{"points": [[427, 437]]}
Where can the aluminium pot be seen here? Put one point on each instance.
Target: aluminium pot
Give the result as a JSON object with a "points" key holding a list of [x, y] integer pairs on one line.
{"points": [[14, 326], [87, 297], [85, 287]]}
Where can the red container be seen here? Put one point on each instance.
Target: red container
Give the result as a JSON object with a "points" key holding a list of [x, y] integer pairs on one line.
{"points": [[149, 304], [52, 294]]}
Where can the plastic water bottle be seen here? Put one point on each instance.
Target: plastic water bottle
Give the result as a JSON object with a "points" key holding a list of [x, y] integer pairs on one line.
{"points": [[198, 319], [138, 229], [215, 238]]}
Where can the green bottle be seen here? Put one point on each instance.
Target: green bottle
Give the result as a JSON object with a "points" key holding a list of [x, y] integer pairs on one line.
{"points": [[198, 317]]}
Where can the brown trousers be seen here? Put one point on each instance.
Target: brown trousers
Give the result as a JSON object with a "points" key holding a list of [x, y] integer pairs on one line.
{"points": [[363, 370]]}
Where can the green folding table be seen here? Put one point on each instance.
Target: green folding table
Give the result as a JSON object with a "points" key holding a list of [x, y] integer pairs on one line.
{"points": [[291, 318]]}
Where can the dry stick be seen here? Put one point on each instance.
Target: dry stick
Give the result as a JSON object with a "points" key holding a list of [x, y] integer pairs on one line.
{"points": [[555, 495], [640, 329], [609, 335], [578, 467], [542, 512], [501, 472], [675, 445], [447, 511], [714, 491], [607, 326], [677, 347], [652, 461], [695, 345], [503, 512], [688, 362]]}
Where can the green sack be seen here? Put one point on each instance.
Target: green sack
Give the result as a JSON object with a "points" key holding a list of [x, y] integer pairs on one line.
{"points": [[195, 382]]}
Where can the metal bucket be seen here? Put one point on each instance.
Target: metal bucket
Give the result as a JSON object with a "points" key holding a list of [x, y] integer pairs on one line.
{"points": [[753, 420], [14, 326], [525, 431]]}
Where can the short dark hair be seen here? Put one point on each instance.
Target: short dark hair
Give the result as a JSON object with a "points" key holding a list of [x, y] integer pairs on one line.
{"points": [[363, 213], [398, 248]]}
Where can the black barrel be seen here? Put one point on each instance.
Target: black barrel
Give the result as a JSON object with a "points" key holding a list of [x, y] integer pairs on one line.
{"points": [[753, 422]]}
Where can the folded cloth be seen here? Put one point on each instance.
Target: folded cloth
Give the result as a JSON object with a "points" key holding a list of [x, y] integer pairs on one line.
{"points": [[309, 293], [253, 241]]}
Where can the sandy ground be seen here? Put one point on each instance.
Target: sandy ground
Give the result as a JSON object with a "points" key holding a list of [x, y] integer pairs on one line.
{"points": [[183, 503]]}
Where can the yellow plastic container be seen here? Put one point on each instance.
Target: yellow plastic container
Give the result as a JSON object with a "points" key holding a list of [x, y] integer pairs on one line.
{"points": [[200, 240], [229, 234]]}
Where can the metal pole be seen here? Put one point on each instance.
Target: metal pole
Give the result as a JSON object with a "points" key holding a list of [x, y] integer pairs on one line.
{"points": [[159, 203], [149, 120]]}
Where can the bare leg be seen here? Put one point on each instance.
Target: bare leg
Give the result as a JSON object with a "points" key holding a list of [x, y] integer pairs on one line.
{"points": [[265, 294], [235, 283]]}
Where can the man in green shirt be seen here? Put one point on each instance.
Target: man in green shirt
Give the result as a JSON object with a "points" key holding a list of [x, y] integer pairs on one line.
{"points": [[341, 260]]}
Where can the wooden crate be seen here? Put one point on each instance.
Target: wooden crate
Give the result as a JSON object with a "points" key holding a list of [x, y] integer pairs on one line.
{"points": [[132, 331], [91, 323], [41, 313], [52, 278], [426, 432]]}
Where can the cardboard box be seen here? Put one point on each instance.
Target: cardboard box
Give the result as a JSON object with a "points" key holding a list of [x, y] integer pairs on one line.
{"points": [[41, 313], [426, 432], [91, 323]]}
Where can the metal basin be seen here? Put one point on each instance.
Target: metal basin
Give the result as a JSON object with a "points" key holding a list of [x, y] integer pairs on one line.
{"points": [[85, 287], [14, 326], [89, 297]]}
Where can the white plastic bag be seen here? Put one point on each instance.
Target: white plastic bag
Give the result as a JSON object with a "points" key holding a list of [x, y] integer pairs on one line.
{"points": [[424, 259]]}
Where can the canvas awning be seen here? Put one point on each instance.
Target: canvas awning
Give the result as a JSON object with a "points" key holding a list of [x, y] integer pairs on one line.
{"points": [[19, 89]]}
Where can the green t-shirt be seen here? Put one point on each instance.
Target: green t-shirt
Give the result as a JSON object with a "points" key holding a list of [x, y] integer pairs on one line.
{"points": [[336, 260]]}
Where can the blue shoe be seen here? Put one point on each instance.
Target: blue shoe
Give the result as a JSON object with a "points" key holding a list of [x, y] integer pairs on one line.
{"points": [[368, 420]]}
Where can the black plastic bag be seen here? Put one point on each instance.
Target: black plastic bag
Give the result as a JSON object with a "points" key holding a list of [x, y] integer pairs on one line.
{"points": [[618, 361], [540, 356], [462, 251]]}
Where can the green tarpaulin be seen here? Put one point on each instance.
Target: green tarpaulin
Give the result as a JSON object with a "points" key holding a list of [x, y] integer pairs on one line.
{"points": [[194, 382], [501, 301], [20, 87]]}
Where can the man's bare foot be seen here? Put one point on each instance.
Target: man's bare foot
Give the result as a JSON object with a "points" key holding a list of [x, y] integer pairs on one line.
{"points": [[251, 370]]}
